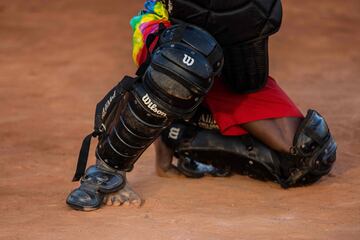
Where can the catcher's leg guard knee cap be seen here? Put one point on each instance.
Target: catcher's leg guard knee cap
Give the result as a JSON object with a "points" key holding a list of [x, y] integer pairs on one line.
{"points": [[314, 150]]}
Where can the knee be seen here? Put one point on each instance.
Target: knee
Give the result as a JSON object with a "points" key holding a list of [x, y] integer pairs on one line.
{"points": [[283, 145]]}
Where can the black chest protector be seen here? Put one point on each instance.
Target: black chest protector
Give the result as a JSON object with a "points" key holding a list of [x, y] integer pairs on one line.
{"points": [[242, 28]]}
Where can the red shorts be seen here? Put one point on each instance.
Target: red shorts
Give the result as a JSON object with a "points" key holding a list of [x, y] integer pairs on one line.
{"points": [[231, 109]]}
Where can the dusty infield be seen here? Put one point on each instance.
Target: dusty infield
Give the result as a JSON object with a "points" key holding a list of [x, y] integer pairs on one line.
{"points": [[57, 58]]}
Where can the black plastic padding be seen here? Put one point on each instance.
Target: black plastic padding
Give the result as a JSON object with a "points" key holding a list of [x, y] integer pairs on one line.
{"points": [[84, 199], [113, 156], [131, 136], [246, 66], [191, 64], [312, 134], [104, 181], [175, 82], [169, 85], [314, 150], [139, 125], [231, 21], [241, 28], [170, 93], [251, 156], [198, 39], [125, 148], [94, 184]]}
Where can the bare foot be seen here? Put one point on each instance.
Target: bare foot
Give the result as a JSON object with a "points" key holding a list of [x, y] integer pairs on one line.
{"points": [[125, 196], [164, 156]]}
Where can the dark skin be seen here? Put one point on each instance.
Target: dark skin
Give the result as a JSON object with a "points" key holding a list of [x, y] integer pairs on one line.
{"points": [[277, 133]]}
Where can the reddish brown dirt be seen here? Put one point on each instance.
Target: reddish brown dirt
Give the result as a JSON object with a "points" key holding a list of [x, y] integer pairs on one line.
{"points": [[57, 58]]}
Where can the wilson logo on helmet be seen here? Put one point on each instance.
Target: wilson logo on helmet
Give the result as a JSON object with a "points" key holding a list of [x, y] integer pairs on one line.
{"points": [[188, 60]]}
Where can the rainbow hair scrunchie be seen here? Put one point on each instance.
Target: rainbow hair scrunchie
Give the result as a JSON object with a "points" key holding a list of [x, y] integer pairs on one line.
{"points": [[145, 23]]}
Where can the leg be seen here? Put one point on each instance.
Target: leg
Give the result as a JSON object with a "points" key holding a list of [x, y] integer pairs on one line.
{"points": [[142, 112], [278, 133], [164, 157], [310, 155], [180, 131]]}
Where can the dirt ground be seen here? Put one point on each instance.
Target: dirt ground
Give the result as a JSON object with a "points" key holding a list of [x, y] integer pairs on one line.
{"points": [[58, 58]]}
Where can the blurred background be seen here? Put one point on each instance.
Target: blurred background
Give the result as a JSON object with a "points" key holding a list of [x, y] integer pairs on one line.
{"points": [[59, 57]]}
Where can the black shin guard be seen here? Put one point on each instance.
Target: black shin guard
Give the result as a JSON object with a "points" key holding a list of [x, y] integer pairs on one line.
{"points": [[169, 90], [243, 154], [180, 131], [97, 181], [172, 87], [313, 153]]}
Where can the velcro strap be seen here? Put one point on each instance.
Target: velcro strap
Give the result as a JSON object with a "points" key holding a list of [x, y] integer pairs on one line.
{"points": [[83, 157]]}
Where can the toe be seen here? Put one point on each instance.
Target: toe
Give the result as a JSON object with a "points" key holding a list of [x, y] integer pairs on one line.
{"points": [[117, 202], [136, 202], [135, 199], [126, 204], [109, 201]]}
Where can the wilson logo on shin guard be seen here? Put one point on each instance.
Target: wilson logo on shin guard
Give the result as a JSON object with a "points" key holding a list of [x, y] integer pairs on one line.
{"points": [[174, 133], [152, 106], [188, 60]]}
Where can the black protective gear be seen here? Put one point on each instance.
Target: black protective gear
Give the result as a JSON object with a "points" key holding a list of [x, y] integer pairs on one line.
{"points": [[246, 154], [195, 169], [198, 39], [242, 29], [179, 131], [192, 36], [134, 113], [312, 156], [313, 151], [97, 181], [170, 89]]}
